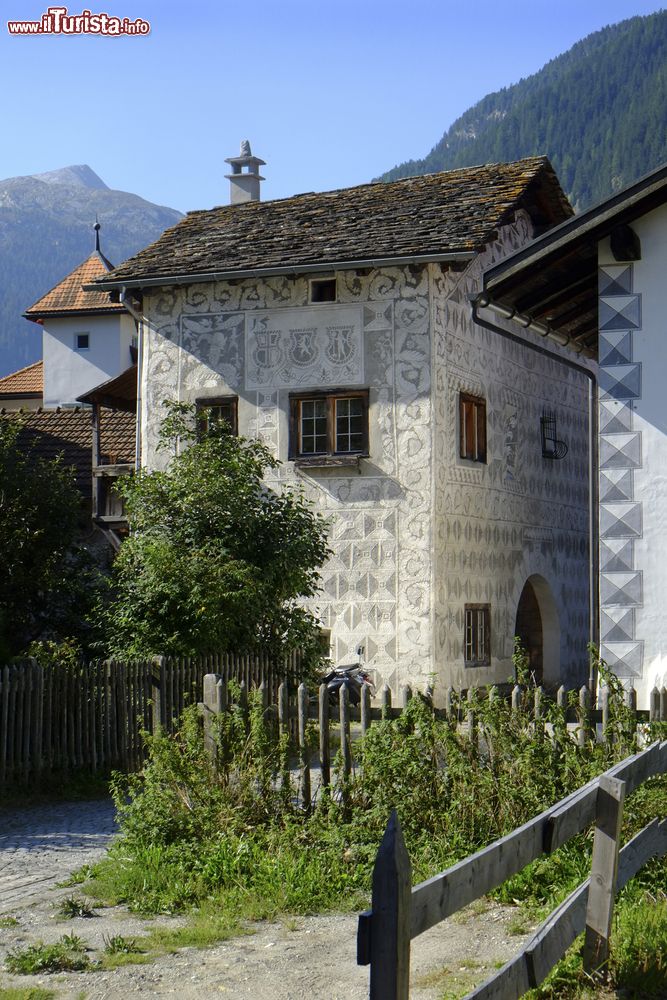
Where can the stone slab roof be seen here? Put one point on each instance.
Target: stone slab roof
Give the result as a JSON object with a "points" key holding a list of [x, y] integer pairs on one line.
{"points": [[68, 297], [69, 432], [27, 381], [456, 211]]}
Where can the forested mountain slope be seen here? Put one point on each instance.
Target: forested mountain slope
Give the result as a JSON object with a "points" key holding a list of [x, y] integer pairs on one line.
{"points": [[599, 112]]}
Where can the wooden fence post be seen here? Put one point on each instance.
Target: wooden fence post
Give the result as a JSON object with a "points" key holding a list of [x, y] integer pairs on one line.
{"points": [[283, 709], [604, 870], [654, 705], [346, 749], [517, 698], [584, 732], [325, 750], [365, 708], [385, 701], [390, 923], [157, 693], [449, 705], [304, 775], [210, 707]]}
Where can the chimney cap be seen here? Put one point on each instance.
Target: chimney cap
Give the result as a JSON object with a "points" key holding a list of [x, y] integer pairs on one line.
{"points": [[245, 157]]}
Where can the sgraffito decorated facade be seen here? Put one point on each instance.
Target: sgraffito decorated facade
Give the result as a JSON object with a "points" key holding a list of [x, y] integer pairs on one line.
{"points": [[432, 546], [606, 267]]}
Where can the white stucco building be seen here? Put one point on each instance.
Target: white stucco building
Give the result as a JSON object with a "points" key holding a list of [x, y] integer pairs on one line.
{"points": [[86, 338], [337, 328], [599, 280]]}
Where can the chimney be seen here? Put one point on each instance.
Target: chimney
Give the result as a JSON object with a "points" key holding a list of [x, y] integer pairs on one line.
{"points": [[244, 186]]}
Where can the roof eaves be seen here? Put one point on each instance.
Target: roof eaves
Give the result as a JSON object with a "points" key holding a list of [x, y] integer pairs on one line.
{"points": [[591, 225], [267, 272]]}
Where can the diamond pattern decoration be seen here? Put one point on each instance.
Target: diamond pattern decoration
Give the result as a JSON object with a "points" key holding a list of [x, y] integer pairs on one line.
{"points": [[617, 555], [616, 484], [617, 624], [615, 348], [615, 417], [621, 520], [621, 451], [621, 589], [377, 317], [615, 279], [625, 659], [621, 381], [620, 312]]}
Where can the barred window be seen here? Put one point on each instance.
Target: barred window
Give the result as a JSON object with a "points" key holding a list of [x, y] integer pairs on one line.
{"points": [[472, 427], [477, 639]]}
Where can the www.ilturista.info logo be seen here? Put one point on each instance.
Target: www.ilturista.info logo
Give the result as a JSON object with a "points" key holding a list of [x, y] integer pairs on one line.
{"points": [[57, 21]]}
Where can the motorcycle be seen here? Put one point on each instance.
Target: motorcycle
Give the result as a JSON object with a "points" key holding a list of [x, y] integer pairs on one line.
{"points": [[352, 676]]}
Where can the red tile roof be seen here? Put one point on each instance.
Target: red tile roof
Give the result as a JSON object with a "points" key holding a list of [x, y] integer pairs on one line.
{"points": [[69, 297], [25, 382]]}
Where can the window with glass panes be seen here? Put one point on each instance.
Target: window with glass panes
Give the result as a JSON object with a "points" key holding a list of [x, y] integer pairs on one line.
{"points": [[477, 635], [329, 424], [214, 410]]}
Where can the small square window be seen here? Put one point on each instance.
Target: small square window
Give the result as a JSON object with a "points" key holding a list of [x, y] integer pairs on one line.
{"points": [[323, 290], [329, 424], [217, 410], [477, 635], [472, 427], [82, 341]]}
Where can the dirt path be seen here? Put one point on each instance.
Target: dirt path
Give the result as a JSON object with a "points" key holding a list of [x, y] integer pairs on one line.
{"points": [[292, 959]]}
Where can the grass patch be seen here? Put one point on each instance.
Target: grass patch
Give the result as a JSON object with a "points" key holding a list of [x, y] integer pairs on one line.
{"points": [[31, 993], [8, 922], [78, 877], [68, 954], [74, 906]]}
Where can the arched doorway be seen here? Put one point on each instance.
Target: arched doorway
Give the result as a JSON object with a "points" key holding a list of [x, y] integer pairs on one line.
{"points": [[528, 629], [538, 627]]}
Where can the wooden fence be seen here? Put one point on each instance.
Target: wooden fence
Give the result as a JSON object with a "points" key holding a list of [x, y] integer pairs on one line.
{"points": [[91, 716], [57, 717], [295, 709], [400, 912]]}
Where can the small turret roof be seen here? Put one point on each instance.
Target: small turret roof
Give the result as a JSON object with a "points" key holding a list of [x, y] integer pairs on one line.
{"points": [[68, 296]]}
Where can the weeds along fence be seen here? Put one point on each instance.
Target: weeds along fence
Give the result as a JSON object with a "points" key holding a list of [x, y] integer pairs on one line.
{"points": [[64, 717], [311, 720], [400, 912]]}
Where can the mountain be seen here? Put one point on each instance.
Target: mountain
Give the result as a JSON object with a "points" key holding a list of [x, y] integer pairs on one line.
{"points": [[46, 229], [599, 112]]}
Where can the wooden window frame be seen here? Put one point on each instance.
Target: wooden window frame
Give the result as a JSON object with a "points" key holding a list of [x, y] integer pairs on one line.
{"points": [[473, 639], [472, 427], [209, 402], [330, 397]]}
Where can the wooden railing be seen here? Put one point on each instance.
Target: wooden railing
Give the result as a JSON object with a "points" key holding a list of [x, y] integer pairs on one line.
{"points": [[400, 912]]}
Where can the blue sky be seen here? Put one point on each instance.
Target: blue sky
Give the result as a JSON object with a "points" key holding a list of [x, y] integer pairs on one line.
{"points": [[330, 94]]}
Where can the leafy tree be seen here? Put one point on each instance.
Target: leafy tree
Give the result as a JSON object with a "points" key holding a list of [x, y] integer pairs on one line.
{"points": [[215, 560], [44, 576]]}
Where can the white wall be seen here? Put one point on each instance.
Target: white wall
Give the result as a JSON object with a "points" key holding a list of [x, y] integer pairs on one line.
{"points": [[67, 372], [633, 483]]}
